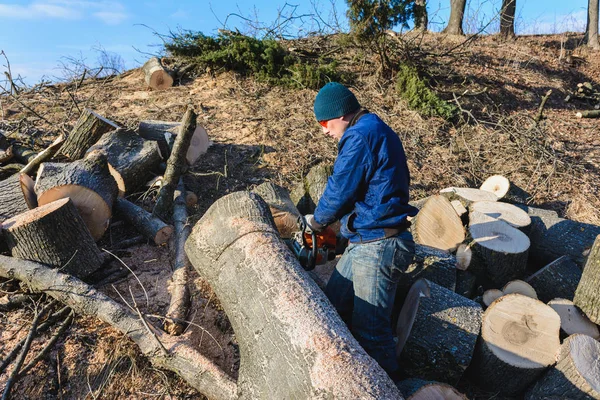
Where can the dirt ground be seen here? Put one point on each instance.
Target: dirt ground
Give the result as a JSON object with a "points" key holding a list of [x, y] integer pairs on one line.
{"points": [[262, 133]]}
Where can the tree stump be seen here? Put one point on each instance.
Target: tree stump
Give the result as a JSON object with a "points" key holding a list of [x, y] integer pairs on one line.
{"points": [[557, 279], [87, 182], [418, 389], [155, 75], [131, 159], [12, 201], [438, 225], [499, 250], [285, 214], [576, 375], [587, 295], [89, 128], [306, 194], [467, 195], [164, 134], [508, 213], [519, 340], [437, 331], [143, 221], [283, 322], [573, 320], [53, 234]]}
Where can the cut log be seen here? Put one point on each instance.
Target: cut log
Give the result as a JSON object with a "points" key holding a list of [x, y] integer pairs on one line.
{"points": [[520, 287], [88, 130], [508, 213], [87, 182], [572, 320], [499, 250], [151, 227], [537, 212], [491, 295], [557, 279], [155, 75], [588, 114], [6, 171], [461, 211], [53, 234], [23, 154], [437, 225], [587, 295], [306, 194], [418, 389], [464, 255], [282, 320], [496, 184], [576, 375], [418, 204], [12, 201], [28, 189], [50, 151], [437, 331], [467, 195], [176, 166], [553, 237], [131, 159], [285, 214], [164, 134], [519, 340]]}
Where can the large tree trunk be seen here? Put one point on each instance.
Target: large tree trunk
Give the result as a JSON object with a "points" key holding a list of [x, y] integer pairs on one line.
{"points": [[285, 214], [437, 332], [519, 340], [507, 18], [591, 30], [421, 17], [557, 279], [89, 128], [53, 234], [587, 295], [131, 159], [576, 375], [457, 12], [163, 350], [12, 200], [292, 342], [87, 182]]}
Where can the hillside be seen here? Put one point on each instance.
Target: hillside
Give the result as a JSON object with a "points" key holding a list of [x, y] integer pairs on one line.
{"points": [[265, 133]]}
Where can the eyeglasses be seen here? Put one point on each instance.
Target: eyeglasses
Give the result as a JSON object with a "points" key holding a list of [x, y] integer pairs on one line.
{"points": [[323, 124]]}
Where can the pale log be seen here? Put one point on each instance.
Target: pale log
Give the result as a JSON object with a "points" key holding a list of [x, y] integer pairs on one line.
{"points": [[12, 201], [285, 214], [53, 234], [437, 331], [155, 75], [418, 389], [557, 279], [519, 340], [438, 225], [572, 319], [587, 295], [164, 134], [149, 226], [282, 320], [89, 128]]}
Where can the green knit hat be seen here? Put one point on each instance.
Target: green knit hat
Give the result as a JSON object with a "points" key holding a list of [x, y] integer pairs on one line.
{"points": [[334, 100]]}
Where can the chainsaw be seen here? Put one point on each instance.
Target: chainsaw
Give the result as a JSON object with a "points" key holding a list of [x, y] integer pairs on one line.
{"points": [[314, 248]]}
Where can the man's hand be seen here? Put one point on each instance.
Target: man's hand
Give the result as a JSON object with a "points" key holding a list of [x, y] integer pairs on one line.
{"points": [[312, 225]]}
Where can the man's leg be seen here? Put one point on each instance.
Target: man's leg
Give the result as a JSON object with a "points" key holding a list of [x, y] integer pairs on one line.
{"points": [[339, 289]]}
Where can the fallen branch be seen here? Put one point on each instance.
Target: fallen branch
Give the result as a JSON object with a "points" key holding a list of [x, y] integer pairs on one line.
{"points": [[539, 115], [44, 155], [588, 114]]}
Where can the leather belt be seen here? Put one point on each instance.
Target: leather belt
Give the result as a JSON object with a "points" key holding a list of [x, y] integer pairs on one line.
{"points": [[389, 232]]}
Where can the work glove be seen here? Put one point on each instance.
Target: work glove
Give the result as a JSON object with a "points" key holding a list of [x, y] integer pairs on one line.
{"points": [[312, 225]]}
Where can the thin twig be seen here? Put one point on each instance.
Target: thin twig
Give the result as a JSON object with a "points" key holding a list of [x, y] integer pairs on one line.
{"points": [[165, 351]]}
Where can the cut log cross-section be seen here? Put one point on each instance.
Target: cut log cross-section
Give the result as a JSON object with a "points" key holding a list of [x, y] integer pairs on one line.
{"points": [[418, 389], [576, 375], [587, 295], [282, 320], [282, 208], [437, 331], [557, 279], [508, 213], [520, 287], [67, 243], [438, 225], [519, 340], [87, 182], [89, 128], [572, 320], [505, 190], [150, 227], [164, 134], [131, 159], [12, 201], [155, 75]]}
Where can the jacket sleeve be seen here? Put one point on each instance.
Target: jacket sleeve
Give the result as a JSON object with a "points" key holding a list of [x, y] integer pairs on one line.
{"points": [[347, 185]]}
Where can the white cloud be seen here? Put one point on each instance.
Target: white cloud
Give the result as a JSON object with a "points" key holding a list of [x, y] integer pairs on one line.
{"points": [[37, 10], [111, 17], [552, 24], [109, 12]]}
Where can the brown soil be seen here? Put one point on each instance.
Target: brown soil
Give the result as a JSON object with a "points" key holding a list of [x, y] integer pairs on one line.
{"points": [[262, 133]]}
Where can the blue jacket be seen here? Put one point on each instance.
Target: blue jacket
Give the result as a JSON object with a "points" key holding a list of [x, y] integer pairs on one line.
{"points": [[368, 190]]}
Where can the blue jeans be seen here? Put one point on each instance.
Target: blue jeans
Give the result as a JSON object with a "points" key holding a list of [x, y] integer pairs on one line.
{"points": [[362, 289]]}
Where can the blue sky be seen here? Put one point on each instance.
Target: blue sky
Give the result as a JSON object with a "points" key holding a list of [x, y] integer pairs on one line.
{"points": [[40, 37]]}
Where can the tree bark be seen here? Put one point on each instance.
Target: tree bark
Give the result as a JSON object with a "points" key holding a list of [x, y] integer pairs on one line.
{"points": [[143, 221], [438, 225], [576, 375], [587, 295], [163, 208], [53, 234], [155, 75], [131, 159], [457, 12], [306, 194], [178, 286], [23, 154], [87, 182], [519, 340], [8, 170], [437, 332], [89, 128], [507, 18], [285, 214], [557, 279], [282, 320], [591, 30], [50, 151], [421, 17], [12, 201], [198, 371]]}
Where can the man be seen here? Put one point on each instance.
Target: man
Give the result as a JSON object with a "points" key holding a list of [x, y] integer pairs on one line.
{"points": [[368, 192]]}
